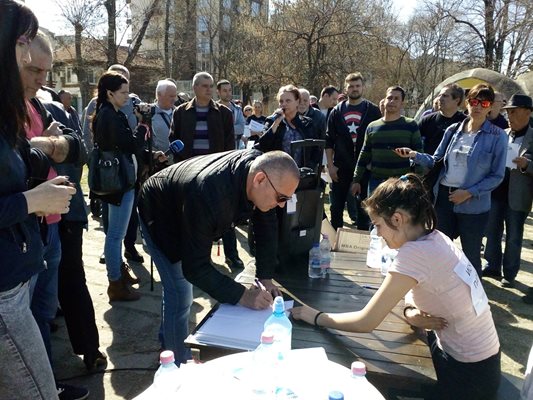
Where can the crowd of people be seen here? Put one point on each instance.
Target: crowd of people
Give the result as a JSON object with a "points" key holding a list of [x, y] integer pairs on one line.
{"points": [[421, 184]]}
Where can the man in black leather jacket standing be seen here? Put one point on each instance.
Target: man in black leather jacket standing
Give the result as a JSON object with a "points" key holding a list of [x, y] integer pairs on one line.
{"points": [[184, 207]]}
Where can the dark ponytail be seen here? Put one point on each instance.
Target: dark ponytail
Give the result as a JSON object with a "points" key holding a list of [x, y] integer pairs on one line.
{"points": [[407, 193]]}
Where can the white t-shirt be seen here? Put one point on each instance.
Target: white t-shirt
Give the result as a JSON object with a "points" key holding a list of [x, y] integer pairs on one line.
{"points": [[457, 161], [441, 292]]}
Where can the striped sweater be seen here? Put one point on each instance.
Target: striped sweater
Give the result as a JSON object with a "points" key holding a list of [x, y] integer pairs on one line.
{"points": [[381, 138]]}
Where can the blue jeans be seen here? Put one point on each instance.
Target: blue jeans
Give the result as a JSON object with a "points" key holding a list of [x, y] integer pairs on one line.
{"points": [[176, 301], [469, 228], [133, 224], [501, 213], [44, 286], [118, 217], [26, 372]]}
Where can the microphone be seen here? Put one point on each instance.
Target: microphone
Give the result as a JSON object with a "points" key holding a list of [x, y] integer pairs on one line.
{"points": [[175, 147]]}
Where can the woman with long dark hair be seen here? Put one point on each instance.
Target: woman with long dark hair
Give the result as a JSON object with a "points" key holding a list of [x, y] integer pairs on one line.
{"points": [[26, 372], [112, 132], [443, 295]]}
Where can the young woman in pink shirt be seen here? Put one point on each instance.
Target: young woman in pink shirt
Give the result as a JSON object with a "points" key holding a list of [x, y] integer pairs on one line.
{"points": [[442, 292]]}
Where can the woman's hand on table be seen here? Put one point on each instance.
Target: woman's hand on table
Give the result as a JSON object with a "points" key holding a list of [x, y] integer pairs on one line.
{"points": [[304, 313], [423, 320]]}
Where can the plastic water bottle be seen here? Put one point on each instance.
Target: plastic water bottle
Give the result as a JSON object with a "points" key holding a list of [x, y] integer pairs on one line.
{"points": [[373, 256], [314, 262], [387, 257], [325, 255], [167, 379], [363, 387], [335, 395], [279, 325], [264, 367]]}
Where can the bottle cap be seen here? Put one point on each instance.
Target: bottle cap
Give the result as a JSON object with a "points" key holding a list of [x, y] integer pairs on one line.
{"points": [[279, 305], [335, 395], [166, 357], [267, 338], [358, 368]]}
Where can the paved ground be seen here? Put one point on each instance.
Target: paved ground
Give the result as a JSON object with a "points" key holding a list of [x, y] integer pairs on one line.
{"points": [[128, 331]]}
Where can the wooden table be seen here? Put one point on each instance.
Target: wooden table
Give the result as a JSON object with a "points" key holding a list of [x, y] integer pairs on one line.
{"points": [[395, 355]]}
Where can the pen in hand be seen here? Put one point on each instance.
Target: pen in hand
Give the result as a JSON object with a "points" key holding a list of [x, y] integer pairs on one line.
{"points": [[258, 283]]}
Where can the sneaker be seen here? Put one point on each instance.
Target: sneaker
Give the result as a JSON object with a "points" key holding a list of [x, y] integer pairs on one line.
{"points": [[102, 259], [69, 392], [234, 263], [505, 283], [133, 255], [95, 361]]}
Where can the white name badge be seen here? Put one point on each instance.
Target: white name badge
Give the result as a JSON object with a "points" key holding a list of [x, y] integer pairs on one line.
{"points": [[291, 204], [468, 274]]}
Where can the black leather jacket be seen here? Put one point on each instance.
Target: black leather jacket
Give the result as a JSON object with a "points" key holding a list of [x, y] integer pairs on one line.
{"points": [[189, 204]]}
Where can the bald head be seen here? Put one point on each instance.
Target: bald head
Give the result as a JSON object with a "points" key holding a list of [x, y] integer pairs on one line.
{"points": [[273, 177]]}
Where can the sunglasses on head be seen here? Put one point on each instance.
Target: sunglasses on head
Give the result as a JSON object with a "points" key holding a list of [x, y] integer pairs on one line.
{"points": [[476, 102], [280, 198]]}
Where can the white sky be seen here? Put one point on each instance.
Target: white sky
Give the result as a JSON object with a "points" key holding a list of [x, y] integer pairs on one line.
{"points": [[49, 14]]}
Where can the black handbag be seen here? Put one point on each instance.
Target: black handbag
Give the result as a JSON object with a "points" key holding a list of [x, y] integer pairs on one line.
{"points": [[110, 172]]}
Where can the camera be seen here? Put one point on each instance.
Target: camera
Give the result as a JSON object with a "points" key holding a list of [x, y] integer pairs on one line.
{"points": [[146, 110]]}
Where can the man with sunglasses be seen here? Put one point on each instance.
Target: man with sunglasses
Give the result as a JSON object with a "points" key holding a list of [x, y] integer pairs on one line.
{"points": [[186, 206]]}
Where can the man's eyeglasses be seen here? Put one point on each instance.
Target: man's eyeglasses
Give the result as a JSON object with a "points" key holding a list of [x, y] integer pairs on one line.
{"points": [[281, 198], [476, 102]]}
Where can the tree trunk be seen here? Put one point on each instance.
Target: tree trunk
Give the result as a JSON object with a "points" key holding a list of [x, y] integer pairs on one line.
{"points": [[79, 68], [490, 34], [142, 31], [166, 44], [111, 8]]}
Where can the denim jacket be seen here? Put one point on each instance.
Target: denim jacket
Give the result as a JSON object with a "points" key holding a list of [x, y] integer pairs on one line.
{"points": [[485, 164]]}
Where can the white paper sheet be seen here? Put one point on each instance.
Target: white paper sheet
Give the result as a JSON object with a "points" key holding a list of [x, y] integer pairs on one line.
{"points": [[512, 153]]}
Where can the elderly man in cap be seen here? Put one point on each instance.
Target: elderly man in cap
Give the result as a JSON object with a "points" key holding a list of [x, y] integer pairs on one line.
{"points": [[511, 201]]}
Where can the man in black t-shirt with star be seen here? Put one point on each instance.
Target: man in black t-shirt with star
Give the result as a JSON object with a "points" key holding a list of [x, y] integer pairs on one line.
{"points": [[432, 126], [345, 132]]}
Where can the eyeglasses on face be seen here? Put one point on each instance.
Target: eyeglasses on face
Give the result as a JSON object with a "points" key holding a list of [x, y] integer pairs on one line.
{"points": [[476, 102], [280, 198]]}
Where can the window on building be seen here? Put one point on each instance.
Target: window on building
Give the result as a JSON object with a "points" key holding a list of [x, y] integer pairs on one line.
{"points": [[202, 23], [68, 75], [203, 46], [91, 76], [226, 22], [255, 8]]}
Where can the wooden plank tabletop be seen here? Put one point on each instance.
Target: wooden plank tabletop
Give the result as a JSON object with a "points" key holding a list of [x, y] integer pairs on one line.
{"points": [[392, 352]]}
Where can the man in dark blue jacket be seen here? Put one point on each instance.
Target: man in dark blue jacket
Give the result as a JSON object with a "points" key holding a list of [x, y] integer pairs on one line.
{"points": [[184, 207]]}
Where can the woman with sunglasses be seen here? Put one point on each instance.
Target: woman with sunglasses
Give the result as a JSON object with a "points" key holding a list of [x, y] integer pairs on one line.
{"points": [[473, 154]]}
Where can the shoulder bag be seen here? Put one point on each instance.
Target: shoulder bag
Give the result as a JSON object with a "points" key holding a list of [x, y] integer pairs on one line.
{"points": [[110, 172]]}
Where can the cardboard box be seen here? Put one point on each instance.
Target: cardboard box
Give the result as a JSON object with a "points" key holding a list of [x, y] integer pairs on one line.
{"points": [[351, 241]]}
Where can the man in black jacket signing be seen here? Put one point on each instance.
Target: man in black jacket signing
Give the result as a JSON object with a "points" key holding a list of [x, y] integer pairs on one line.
{"points": [[186, 206]]}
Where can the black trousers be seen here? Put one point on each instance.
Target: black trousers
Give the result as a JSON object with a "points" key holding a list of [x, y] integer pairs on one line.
{"points": [[463, 381], [74, 297]]}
